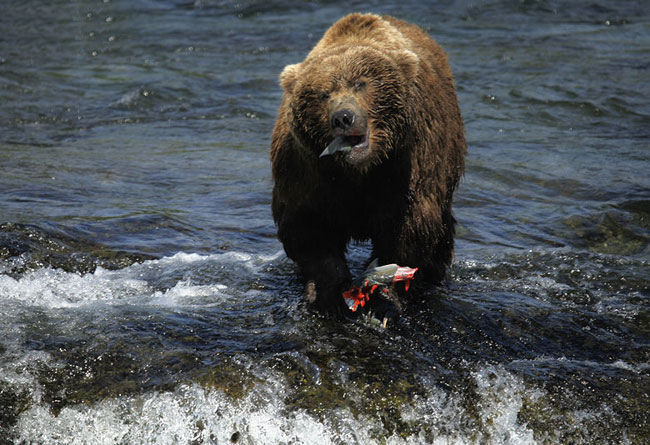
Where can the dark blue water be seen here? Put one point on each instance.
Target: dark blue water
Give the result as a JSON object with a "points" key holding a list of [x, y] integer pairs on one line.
{"points": [[144, 297]]}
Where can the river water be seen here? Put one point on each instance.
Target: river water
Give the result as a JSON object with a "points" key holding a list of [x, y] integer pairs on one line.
{"points": [[144, 297]]}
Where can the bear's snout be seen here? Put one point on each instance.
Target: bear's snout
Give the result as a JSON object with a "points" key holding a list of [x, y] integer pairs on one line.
{"points": [[343, 120], [346, 118], [349, 127]]}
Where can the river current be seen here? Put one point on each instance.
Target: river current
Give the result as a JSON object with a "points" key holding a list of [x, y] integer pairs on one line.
{"points": [[145, 298]]}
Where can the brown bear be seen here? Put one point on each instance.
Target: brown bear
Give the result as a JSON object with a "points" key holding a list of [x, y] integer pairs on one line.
{"points": [[368, 145]]}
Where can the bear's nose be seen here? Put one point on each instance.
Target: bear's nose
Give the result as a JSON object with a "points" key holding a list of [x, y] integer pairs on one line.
{"points": [[342, 120]]}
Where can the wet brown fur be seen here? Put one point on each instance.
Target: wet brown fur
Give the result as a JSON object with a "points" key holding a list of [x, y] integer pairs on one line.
{"points": [[399, 194]]}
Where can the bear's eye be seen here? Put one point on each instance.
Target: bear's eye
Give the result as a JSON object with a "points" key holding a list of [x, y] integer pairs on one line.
{"points": [[359, 85], [324, 96]]}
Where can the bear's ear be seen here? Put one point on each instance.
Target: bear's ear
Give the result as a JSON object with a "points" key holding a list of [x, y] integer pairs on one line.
{"points": [[408, 61], [288, 77]]}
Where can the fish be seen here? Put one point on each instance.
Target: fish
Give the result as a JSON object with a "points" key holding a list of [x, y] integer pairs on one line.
{"points": [[376, 277], [338, 144]]}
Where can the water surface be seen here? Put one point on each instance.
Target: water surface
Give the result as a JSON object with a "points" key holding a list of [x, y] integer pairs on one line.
{"points": [[144, 297]]}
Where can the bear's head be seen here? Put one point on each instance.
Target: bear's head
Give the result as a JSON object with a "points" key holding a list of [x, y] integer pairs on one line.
{"points": [[353, 96]]}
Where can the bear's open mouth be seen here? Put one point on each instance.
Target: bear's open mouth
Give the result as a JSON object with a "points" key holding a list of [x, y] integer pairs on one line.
{"points": [[356, 140], [347, 142]]}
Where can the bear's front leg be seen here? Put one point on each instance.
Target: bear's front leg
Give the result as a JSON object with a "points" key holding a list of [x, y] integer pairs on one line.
{"points": [[327, 278], [422, 239], [319, 251]]}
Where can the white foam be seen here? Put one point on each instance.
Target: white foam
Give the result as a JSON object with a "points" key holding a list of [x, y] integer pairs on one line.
{"points": [[16, 370], [196, 414], [54, 288], [247, 259], [637, 369], [193, 258], [502, 395], [564, 362], [59, 289], [500, 399], [189, 414], [184, 293]]}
